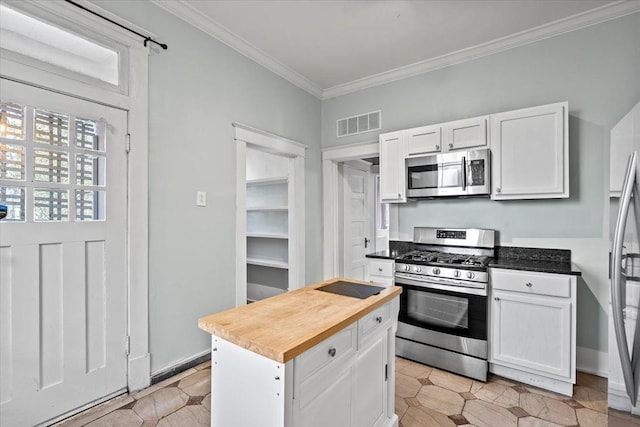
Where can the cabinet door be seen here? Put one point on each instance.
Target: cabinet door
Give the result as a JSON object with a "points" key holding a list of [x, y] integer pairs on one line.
{"points": [[424, 140], [392, 169], [625, 138], [465, 134], [530, 150], [371, 384], [531, 333], [333, 406]]}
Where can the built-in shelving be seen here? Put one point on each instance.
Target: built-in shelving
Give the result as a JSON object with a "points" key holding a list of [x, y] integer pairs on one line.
{"points": [[268, 262], [269, 235], [267, 231], [267, 208], [268, 181]]}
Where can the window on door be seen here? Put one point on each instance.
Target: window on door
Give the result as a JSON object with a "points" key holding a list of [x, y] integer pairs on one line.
{"points": [[52, 165]]}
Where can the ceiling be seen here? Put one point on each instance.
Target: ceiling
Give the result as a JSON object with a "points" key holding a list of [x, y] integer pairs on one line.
{"points": [[332, 47]]}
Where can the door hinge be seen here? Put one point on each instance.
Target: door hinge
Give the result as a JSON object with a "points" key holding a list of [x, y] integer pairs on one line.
{"points": [[128, 145], [386, 372], [127, 345]]}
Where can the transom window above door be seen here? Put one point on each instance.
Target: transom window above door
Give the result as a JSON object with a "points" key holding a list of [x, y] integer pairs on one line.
{"points": [[52, 165]]}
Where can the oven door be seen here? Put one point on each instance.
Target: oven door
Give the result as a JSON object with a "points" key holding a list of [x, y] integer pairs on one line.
{"points": [[443, 308]]}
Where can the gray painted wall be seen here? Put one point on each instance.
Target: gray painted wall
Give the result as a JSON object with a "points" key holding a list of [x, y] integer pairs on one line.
{"points": [[198, 87], [596, 70]]}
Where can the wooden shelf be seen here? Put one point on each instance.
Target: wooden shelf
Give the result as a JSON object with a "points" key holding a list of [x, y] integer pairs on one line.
{"points": [[268, 262], [268, 181], [269, 235], [268, 209]]}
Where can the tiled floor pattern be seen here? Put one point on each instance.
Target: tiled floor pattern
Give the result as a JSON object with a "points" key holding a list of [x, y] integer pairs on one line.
{"points": [[425, 397]]}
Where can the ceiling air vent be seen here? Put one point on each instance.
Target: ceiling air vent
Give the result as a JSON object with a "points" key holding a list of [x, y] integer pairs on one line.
{"points": [[359, 124]]}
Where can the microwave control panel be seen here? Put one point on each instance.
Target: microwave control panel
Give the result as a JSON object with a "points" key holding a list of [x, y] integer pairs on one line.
{"points": [[475, 172]]}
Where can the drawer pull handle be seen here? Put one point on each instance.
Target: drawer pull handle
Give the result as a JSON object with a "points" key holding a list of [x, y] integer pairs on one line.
{"points": [[332, 352], [379, 268], [529, 284], [379, 319], [437, 147], [450, 145], [496, 299]]}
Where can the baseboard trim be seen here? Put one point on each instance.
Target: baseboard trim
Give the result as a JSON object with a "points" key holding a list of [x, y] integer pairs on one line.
{"points": [[592, 361], [181, 366]]}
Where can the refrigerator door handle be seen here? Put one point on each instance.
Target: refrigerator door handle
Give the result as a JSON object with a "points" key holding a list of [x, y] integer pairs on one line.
{"points": [[616, 280]]}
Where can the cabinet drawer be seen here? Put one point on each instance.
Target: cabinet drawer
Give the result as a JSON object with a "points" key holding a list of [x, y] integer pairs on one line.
{"points": [[381, 280], [373, 322], [557, 285], [381, 268], [327, 352]]}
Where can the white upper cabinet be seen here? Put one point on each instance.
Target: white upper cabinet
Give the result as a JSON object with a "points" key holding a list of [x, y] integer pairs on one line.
{"points": [[393, 181], [424, 140], [465, 134], [625, 139], [451, 136], [530, 150]]}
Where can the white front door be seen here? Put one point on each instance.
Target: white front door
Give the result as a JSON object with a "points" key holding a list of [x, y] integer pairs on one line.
{"points": [[63, 254], [358, 212]]}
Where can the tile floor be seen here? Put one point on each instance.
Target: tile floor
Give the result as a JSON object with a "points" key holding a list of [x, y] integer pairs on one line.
{"points": [[425, 397]]}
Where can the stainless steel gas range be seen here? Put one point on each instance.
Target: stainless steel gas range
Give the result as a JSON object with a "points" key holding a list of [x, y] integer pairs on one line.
{"points": [[443, 305]]}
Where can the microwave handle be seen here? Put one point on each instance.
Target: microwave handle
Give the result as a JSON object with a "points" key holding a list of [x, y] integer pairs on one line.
{"points": [[464, 174]]}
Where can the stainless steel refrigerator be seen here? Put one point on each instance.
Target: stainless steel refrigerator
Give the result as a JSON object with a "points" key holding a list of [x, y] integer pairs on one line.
{"points": [[624, 205]]}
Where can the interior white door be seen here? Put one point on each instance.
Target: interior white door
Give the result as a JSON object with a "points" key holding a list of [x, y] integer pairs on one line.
{"points": [[63, 253], [358, 212]]}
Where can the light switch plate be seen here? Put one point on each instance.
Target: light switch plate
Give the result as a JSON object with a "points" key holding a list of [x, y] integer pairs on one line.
{"points": [[201, 198]]}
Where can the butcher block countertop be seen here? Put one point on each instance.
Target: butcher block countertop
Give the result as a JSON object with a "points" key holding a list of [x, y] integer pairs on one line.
{"points": [[287, 325]]}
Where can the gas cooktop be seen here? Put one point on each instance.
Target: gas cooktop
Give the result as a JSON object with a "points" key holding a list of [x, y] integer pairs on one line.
{"points": [[443, 258]]}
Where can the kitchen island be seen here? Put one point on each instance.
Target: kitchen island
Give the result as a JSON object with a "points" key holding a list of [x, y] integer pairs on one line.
{"points": [[305, 358]]}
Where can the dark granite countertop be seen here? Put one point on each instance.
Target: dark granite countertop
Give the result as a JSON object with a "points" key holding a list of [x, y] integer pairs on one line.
{"points": [[386, 254], [540, 260], [535, 265], [556, 261]]}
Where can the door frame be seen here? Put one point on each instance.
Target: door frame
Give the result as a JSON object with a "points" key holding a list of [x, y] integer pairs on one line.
{"points": [[132, 97], [331, 195], [271, 143]]}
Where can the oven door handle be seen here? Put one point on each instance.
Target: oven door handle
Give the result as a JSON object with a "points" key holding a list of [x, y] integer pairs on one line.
{"points": [[402, 279]]}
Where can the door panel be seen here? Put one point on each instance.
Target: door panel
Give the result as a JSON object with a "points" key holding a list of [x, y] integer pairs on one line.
{"points": [[358, 222], [63, 274]]}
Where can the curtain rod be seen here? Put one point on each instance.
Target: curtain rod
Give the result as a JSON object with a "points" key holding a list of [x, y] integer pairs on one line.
{"points": [[146, 38]]}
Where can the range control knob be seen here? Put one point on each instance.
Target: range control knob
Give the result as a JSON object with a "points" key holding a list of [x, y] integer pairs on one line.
{"points": [[457, 273], [436, 270], [417, 269], [471, 275]]}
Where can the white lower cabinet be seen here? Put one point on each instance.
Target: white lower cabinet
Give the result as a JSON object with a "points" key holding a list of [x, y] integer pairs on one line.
{"points": [[380, 271], [344, 381], [533, 328]]}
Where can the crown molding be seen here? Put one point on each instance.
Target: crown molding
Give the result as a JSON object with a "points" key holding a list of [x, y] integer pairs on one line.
{"points": [[595, 16], [183, 10]]}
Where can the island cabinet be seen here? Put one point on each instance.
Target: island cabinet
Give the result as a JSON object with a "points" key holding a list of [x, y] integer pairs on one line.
{"points": [[532, 335], [346, 378], [530, 153]]}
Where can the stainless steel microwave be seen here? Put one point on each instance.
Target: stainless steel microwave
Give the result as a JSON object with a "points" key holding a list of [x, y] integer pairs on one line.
{"points": [[458, 173]]}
